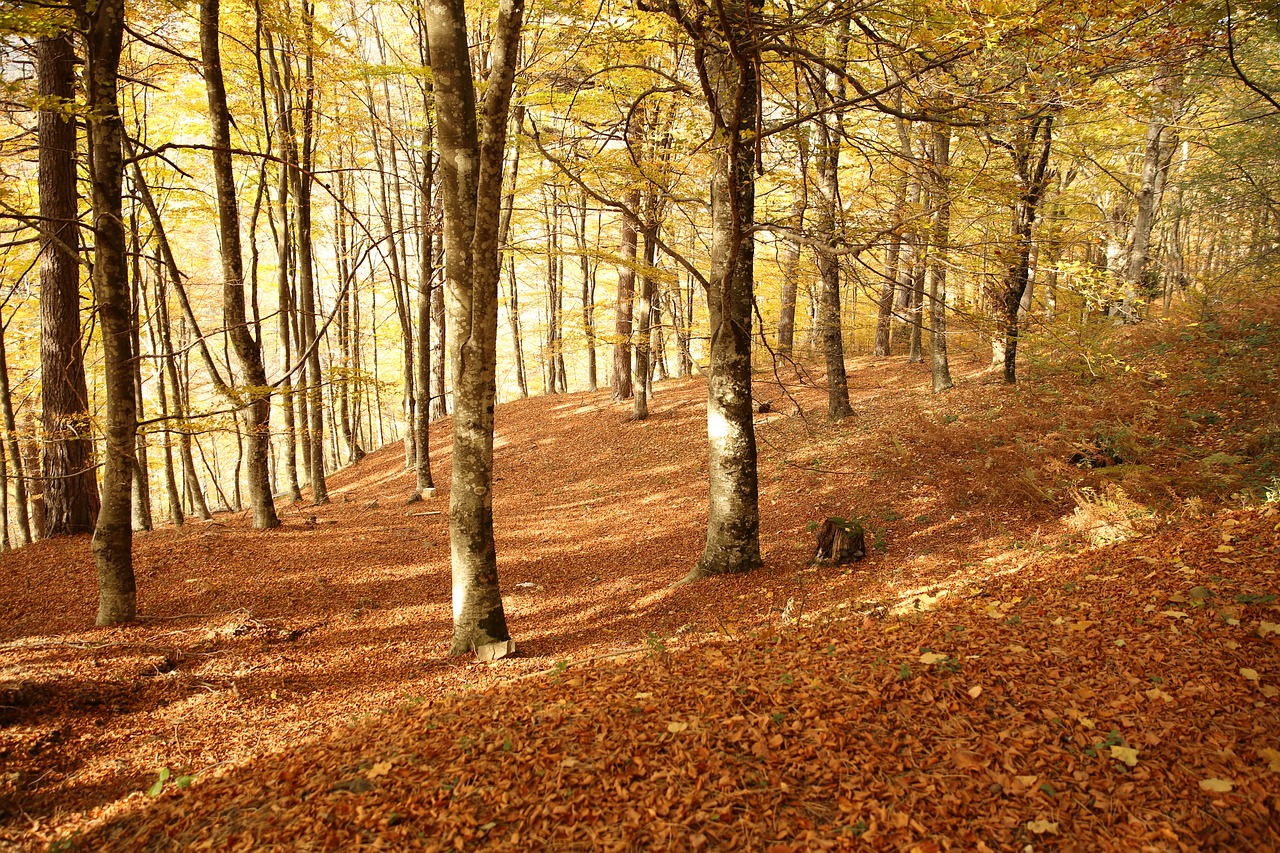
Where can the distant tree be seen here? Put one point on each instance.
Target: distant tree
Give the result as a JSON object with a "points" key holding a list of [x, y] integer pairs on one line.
{"points": [[246, 345]]}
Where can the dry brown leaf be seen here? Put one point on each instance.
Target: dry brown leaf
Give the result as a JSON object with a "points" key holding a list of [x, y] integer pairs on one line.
{"points": [[1217, 786]]}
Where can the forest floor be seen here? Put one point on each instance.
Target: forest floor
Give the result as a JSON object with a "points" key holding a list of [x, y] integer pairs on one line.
{"points": [[1036, 653]]}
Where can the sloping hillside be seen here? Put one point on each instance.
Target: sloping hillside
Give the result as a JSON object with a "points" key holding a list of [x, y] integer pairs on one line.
{"points": [[1065, 626]]}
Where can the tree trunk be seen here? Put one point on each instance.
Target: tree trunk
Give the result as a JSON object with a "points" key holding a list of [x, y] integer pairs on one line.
{"points": [[113, 534], [471, 168], [588, 294], [142, 467], [1155, 166], [256, 391], [791, 266], [728, 60], [426, 281], [643, 327], [1030, 151], [940, 241], [14, 468], [623, 303], [70, 487]]}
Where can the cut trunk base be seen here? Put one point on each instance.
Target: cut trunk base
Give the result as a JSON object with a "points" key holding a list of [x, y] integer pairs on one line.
{"points": [[840, 542]]}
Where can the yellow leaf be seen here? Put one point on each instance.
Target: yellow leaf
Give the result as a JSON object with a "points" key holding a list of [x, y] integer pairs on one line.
{"points": [[1082, 625], [1040, 827], [1265, 628], [1127, 754], [1156, 693], [1269, 691], [1176, 614], [382, 768], [675, 728], [1224, 549], [1218, 786], [1249, 674], [975, 691], [1272, 758], [930, 658], [644, 695]]}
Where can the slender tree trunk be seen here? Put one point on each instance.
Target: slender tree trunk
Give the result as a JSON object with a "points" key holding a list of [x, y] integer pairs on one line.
{"points": [[1030, 151], [940, 240], [439, 329], [426, 281], [644, 316], [18, 516], [471, 167], [70, 488], [113, 534], [791, 266], [1161, 139], [142, 468], [623, 307], [587, 270], [31, 464], [248, 352]]}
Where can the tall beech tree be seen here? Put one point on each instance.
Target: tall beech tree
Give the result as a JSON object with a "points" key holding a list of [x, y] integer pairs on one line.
{"points": [[247, 349], [471, 147], [113, 534], [70, 488], [726, 46]]}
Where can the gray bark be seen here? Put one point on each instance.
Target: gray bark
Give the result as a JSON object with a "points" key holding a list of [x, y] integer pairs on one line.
{"points": [[471, 170]]}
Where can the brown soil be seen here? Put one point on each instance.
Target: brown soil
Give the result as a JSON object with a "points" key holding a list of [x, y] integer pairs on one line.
{"points": [[978, 681]]}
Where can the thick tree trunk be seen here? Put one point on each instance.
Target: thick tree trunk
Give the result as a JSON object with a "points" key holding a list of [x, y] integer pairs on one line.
{"points": [[256, 391], [113, 534], [70, 488], [733, 528], [471, 168]]}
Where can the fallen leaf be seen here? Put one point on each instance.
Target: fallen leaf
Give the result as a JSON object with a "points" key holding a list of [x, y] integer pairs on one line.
{"points": [[1126, 754], [1272, 757], [1249, 674], [975, 691], [930, 658], [965, 759], [644, 695], [1269, 691], [1218, 786], [382, 768], [675, 728], [1040, 827], [1265, 628]]}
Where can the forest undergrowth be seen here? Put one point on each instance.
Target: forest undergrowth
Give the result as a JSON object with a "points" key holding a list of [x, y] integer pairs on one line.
{"points": [[1064, 635]]}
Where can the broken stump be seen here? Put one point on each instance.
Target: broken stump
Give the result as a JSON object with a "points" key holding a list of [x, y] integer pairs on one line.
{"points": [[840, 542]]}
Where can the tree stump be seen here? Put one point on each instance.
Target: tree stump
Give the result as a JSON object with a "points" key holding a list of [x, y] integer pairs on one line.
{"points": [[840, 542]]}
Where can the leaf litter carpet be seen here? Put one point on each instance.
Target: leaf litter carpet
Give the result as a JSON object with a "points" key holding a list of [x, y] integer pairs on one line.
{"points": [[1037, 652]]}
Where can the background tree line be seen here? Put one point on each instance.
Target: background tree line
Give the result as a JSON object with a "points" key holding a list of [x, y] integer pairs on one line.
{"points": [[227, 256]]}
